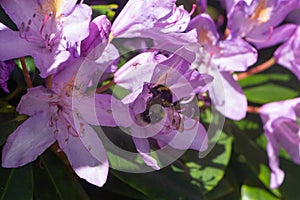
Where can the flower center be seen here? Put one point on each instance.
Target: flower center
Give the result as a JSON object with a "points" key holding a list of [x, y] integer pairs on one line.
{"points": [[262, 13], [50, 6], [43, 28]]}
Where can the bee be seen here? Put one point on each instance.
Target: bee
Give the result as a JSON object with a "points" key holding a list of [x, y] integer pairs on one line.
{"points": [[162, 97]]}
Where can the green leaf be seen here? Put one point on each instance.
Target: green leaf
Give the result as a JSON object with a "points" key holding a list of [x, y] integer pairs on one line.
{"points": [[116, 186], [53, 180], [4, 18], [251, 153], [255, 193], [290, 187], [9, 121], [29, 64], [107, 10], [208, 171], [222, 189], [161, 185], [269, 93], [119, 92], [259, 79], [16, 183]]}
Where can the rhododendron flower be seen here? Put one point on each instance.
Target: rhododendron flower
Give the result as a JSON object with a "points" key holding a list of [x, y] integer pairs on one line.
{"points": [[52, 119], [49, 31], [282, 128], [161, 21], [258, 21], [219, 58], [5, 70], [98, 58], [288, 54], [65, 113], [153, 99]]}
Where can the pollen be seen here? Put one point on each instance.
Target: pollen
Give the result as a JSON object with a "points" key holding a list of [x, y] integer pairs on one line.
{"points": [[262, 12], [51, 6], [204, 36]]}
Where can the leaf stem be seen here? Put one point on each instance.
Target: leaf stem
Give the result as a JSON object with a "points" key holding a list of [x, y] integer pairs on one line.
{"points": [[49, 82], [26, 73], [105, 87], [257, 69], [253, 109]]}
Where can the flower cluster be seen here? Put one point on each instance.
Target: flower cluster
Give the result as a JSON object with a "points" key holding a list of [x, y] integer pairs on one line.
{"points": [[177, 60]]}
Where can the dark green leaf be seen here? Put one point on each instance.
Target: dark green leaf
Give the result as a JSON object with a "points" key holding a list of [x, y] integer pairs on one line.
{"points": [[9, 121], [290, 187], [16, 183], [161, 185], [222, 189], [53, 180]]}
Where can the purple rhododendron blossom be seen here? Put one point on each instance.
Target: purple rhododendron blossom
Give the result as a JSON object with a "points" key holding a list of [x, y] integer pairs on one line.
{"points": [[5, 70], [98, 58], [65, 113], [52, 119], [288, 54], [258, 21], [152, 101], [282, 128], [49, 31], [219, 58], [162, 21]]}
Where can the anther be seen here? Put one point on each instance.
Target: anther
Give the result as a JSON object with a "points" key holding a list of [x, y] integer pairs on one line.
{"points": [[193, 10]]}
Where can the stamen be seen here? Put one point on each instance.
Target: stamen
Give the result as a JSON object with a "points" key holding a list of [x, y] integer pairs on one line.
{"points": [[44, 23], [178, 18], [193, 10]]}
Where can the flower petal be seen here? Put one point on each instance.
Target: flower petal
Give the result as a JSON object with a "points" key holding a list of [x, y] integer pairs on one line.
{"points": [[12, 46], [84, 163], [76, 25], [227, 95], [235, 55], [28, 141], [277, 175], [19, 10], [194, 136], [112, 112], [139, 15], [36, 100], [129, 75], [143, 147]]}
